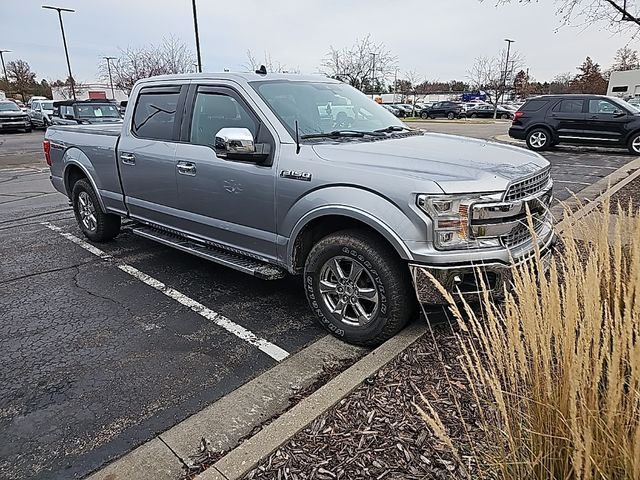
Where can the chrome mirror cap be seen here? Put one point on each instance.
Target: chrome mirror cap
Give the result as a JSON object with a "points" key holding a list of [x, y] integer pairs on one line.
{"points": [[234, 141]]}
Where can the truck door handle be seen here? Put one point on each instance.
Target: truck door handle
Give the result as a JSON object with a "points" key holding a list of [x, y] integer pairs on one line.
{"points": [[594, 117], [128, 158], [186, 168]]}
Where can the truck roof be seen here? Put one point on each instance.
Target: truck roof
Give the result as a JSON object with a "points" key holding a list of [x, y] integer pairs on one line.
{"points": [[243, 77]]}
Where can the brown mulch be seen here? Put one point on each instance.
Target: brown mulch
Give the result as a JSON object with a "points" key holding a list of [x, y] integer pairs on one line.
{"points": [[630, 192], [376, 432]]}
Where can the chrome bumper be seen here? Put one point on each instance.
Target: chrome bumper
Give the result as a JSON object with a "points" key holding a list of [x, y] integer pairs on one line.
{"points": [[465, 279]]}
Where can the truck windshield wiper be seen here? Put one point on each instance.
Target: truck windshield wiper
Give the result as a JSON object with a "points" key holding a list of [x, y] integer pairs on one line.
{"points": [[341, 133], [392, 128]]}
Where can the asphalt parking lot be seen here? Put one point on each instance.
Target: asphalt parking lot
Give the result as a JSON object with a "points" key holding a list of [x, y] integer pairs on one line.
{"points": [[96, 361]]}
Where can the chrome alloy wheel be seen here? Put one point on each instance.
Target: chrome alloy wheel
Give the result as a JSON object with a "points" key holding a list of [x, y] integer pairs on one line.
{"points": [[538, 139], [635, 144], [349, 291], [87, 212]]}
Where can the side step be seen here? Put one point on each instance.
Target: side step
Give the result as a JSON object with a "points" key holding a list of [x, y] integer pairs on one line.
{"points": [[236, 261]]}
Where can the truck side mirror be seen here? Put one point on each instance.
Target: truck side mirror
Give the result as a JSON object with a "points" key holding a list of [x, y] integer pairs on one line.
{"points": [[233, 141], [238, 144]]}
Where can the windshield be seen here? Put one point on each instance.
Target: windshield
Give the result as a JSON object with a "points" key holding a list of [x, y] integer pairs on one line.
{"points": [[9, 107], [632, 108], [47, 105], [98, 111], [321, 108]]}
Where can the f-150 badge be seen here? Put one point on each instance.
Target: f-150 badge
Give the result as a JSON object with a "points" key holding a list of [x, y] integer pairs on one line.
{"points": [[294, 175]]}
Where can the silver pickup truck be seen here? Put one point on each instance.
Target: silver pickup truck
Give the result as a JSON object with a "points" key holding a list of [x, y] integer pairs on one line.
{"points": [[276, 174]]}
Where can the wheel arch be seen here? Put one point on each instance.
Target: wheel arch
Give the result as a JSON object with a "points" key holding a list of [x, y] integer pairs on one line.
{"points": [[323, 221], [77, 165]]}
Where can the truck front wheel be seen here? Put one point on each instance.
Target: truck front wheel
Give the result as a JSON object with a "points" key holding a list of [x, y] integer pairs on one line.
{"points": [[358, 287], [96, 225]]}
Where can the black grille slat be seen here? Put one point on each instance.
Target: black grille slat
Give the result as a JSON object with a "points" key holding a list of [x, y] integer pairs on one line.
{"points": [[528, 187]]}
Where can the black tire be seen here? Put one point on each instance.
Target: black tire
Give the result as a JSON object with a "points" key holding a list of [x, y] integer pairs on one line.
{"points": [[451, 115], [424, 116], [473, 115], [504, 116], [635, 138], [539, 139], [107, 225], [382, 271], [27, 130]]}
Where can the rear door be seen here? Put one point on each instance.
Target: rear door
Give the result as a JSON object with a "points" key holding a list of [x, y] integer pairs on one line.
{"points": [[146, 154], [606, 121], [567, 118]]}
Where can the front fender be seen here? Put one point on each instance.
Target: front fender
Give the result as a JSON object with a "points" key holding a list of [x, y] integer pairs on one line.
{"points": [[75, 156], [390, 220]]}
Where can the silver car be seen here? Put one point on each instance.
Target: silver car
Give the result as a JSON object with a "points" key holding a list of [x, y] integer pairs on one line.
{"points": [[40, 113]]}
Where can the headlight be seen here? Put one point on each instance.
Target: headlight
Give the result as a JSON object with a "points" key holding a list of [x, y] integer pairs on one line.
{"points": [[450, 216]]}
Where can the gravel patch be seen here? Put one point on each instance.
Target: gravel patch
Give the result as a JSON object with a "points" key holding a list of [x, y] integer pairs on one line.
{"points": [[630, 192], [376, 432]]}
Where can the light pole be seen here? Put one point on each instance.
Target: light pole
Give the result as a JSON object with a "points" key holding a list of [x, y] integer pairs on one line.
{"points": [[195, 28], [64, 41], [506, 66], [108, 59], [373, 74], [4, 69]]}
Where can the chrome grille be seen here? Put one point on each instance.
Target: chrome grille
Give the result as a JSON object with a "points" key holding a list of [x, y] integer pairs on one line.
{"points": [[527, 187], [522, 234]]}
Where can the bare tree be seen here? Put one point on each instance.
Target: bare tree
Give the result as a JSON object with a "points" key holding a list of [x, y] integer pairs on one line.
{"points": [[619, 15], [625, 59], [359, 64], [21, 79], [172, 56], [271, 65], [495, 75], [63, 88]]}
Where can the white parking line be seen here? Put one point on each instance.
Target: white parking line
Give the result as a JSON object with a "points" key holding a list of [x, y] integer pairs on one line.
{"points": [[239, 331], [572, 182], [583, 165]]}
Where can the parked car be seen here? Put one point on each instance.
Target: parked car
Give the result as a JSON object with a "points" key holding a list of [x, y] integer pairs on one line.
{"points": [[448, 110], [393, 110], [408, 108], [486, 111], [240, 169], [404, 112], [41, 113], [577, 119], [12, 118], [635, 101], [73, 112]]}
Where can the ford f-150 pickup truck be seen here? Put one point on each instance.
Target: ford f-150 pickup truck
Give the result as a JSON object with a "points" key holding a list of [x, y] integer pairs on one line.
{"points": [[271, 174]]}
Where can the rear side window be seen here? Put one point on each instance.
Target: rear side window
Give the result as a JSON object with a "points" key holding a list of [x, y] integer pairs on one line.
{"points": [[155, 115], [533, 105], [569, 106]]}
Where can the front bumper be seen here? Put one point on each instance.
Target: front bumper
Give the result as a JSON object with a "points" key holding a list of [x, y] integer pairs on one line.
{"points": [[15, 124], [464, 279]]}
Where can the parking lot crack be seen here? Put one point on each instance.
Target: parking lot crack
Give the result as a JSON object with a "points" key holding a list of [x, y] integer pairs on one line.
{"points": [[77, 284], [44, 272], [185, 465]]}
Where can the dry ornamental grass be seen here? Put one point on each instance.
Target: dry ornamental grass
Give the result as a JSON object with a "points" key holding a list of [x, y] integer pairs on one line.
{"points": [[555, 369]]}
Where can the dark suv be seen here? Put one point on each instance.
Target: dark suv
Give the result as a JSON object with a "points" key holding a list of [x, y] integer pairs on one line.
{"points": [[579, 119], [449, 110]]}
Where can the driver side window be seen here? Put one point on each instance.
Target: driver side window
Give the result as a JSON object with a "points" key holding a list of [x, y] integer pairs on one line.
{"points": [[602, 107], [215, 111]]}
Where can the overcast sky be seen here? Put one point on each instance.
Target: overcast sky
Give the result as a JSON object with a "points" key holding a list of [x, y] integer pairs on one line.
{"points": [[439, 39]]}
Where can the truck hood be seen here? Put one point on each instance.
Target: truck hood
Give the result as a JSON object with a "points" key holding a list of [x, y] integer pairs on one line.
{"points": [[12, 113], [457, 164]]}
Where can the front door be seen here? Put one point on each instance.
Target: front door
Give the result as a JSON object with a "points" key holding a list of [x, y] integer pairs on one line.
{"points": [[226, 201], [146, 155], [607, 121]]}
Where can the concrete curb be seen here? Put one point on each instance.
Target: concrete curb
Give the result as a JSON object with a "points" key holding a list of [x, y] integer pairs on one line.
{"points": [[246, 456], [232, 417]]}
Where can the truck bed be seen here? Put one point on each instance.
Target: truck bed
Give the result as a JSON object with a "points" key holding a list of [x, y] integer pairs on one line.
{"points": [[93, 149]]}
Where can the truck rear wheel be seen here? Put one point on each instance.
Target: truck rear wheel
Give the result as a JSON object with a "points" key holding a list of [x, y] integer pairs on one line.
{"points": [[96, 225], [358, 287]]}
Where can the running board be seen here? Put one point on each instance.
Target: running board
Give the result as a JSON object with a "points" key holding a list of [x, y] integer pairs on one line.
{"points": [[233, 260]]}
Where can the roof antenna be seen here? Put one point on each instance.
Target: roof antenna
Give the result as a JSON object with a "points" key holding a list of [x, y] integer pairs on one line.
{"points": [[297, 139], [262, 70]]}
